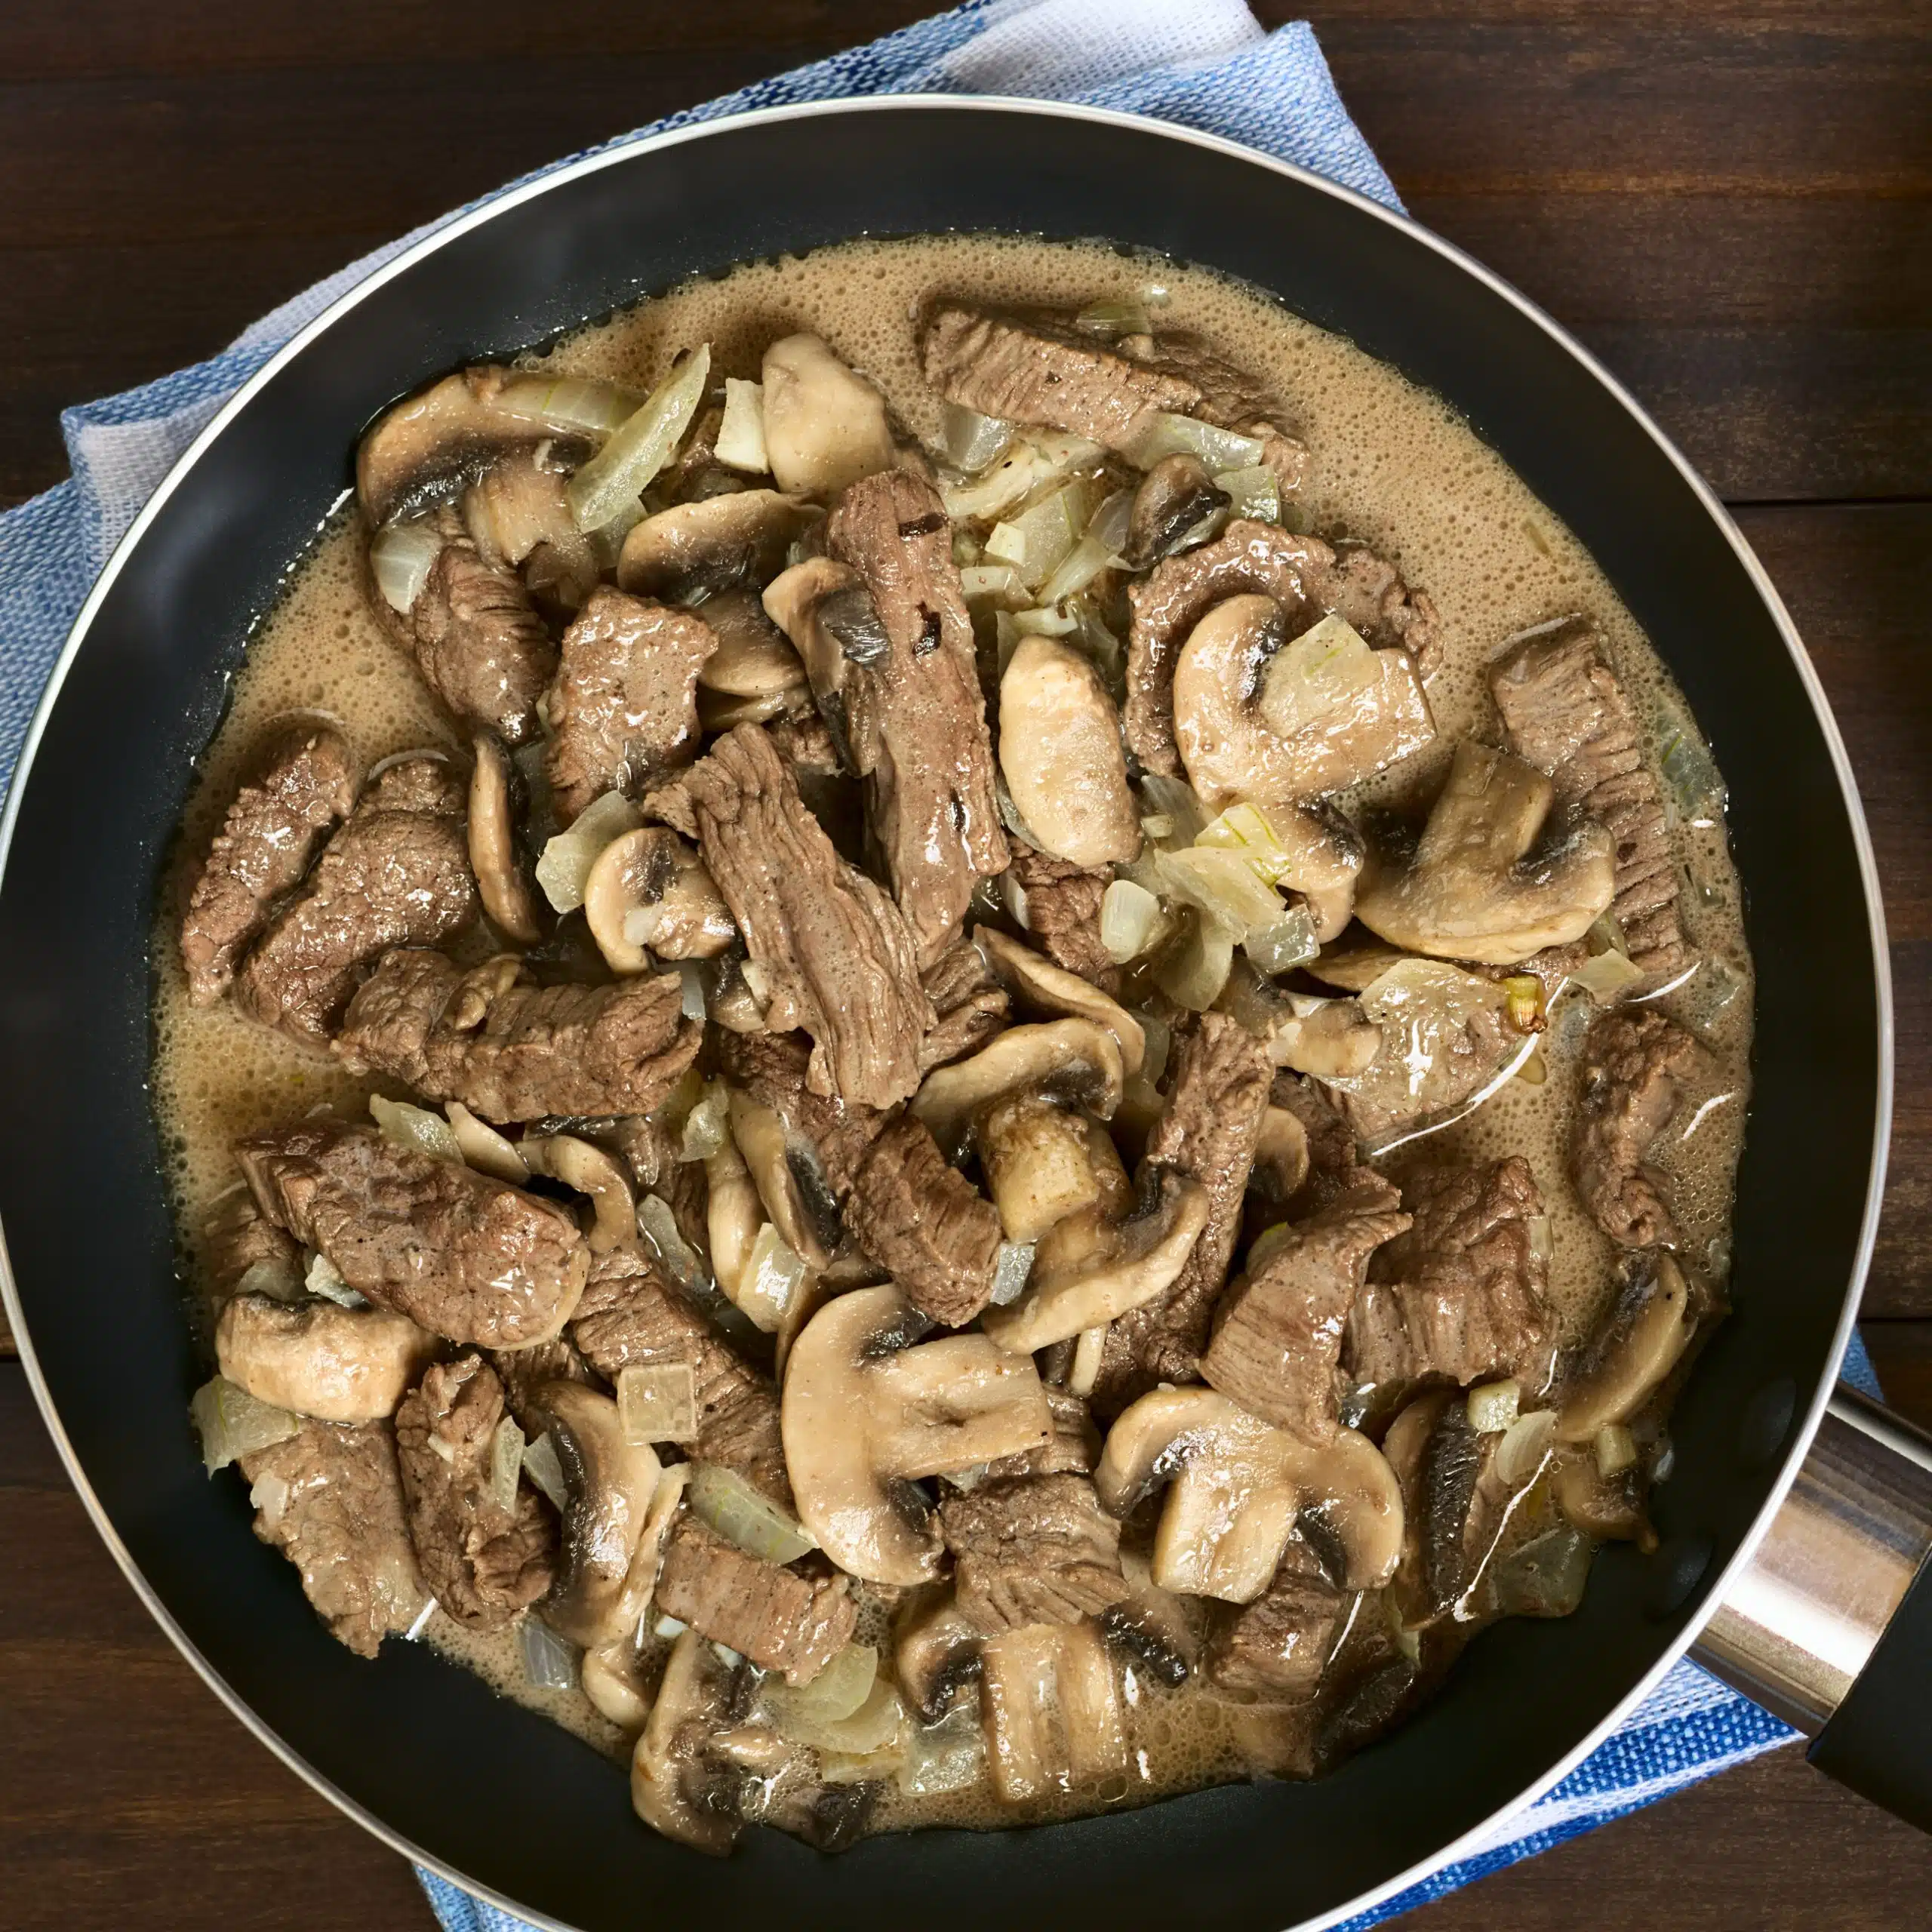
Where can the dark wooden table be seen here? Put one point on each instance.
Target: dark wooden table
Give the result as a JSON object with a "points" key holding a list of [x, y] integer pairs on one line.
{"points": [[1727, 199]]}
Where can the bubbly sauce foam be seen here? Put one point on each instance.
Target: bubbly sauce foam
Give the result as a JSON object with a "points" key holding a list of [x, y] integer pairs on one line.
{"points": [[1390, 463]]}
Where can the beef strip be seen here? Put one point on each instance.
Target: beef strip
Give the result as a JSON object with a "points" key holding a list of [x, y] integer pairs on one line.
{"points": [[509, 1050], [330, 1499], [970, 1002], [1307, 578], [1061, 912], [1037, 1550], [781, 1619], [238, 1237], [1419, 1073], [267, 838], [397, 873], [839, 957], [914, 718], [462, 1255], [522, 1372], [1462, 1294], [1207, 1131], [623, 710], [633, 1317], [1331, 1144], [772, 1068], [925, 1224], [483, 1562], [1272, 1651], [1631, 1065], [1279, 1336], [1564, 712]]}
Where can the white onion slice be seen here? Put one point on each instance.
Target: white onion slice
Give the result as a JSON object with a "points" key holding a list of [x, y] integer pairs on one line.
{"points": [[400, 555], [567, 403], [740, 443], [566, 859], [549, 1662], [743, 1515], [1167, 434], [617, 474], [417, 1128], [232, 1423]]}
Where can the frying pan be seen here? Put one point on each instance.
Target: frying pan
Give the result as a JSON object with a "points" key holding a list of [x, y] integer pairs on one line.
{"points": [[423, 1753]]}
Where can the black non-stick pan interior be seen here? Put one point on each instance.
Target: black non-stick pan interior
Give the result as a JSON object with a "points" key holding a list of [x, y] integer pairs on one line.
{"points": [[487, 1789]]}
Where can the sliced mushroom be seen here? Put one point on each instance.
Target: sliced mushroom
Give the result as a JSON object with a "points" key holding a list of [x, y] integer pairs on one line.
{"points": [[1075, 1061], [610, 1673], [1039, 986], [824, 609], [338, 1364], [1644, 1339], [1043, 1162], [1238, 1485], [1469, 891], [790, 1181], [1281, 1156], [825, 426], [691, 551], [494, 856], [1098, 1269], [861, 1417], [754, 658], [1332, 1039], [935, 1651], [1355, 965], [483, 1147], [1061, 755], [609, 1485], [1324, 855], [733, 1216], [647, 888], [1162, 1629], [591, 1169], [691, 1704], [1609, 1508], [1237, 744], [1052, 1713], [1177, 498], [518, 512]]}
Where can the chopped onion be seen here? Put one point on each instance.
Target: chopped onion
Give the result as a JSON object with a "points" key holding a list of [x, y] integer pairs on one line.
{"points": [[1089, 1351], [1615, 1449], [743, 1515], [1012, 1264], [669, 1626], [690, 990], [1194, 972], [641, 446], [1328, 669], [772, 1273], [1524, 1444], [1098, 550], [1289, 942], [873, 1726], [324, 1278], [1254, 492], [1604, 975], [950, 1756], [1000, 580], [971, 441], [658, 1403], [1174, 799], [278, 1280], [1108, 653], [1222, 884], [839, 1689], [567, 858], [1115, 316], [549, 1662], [416, 1127], [1006, 543], [659, 1227], [1043, 622], [1167, 434], [506, 1463], [269, 1494], [567, 402], [540, 1464], [1245, 829], [705, 1127], [607, 540], [1159, 1038], [1049, 531], [232, 1423], [1131, 921], [484, 1148], [1025, 467], [1665, 1465], [1536, 1228], [1697, 786], [400, 555], [1492, 1407], [740, 443]]}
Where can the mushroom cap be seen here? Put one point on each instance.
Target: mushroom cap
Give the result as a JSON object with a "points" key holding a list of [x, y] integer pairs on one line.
{"points": [[692, 550], [1645, 1339], [1175, 498], [591, 1169], [754, 658], [687, 1695], [825, 426], [935, 1649], [1061, 755], [648, 888], [1076, 1060], [500, 880], [790, 1181], [317, 1358], [1043, 987]]}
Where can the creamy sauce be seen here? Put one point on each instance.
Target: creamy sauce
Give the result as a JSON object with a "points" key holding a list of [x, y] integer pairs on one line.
{"points": [[1390, 464]]}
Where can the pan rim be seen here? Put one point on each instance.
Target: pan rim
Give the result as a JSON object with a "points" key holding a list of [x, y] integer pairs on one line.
{"points": [[626, 148]]}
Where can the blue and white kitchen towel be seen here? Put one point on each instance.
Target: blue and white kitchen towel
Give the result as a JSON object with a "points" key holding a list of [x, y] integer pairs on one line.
{"points": [[1203, 63]]}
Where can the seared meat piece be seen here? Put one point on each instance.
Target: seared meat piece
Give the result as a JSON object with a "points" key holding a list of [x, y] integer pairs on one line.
{"points": [[460, 1254], [1207, 1133], [624, 707], [522, 1372], [1063, 912], [1565, 713], [1331, 1144], [484, 1563], [1462, 1294], [633, 1318], [837, 952], [1631, 1063], [266, 840], [925, 1224], [511, 1051], [1307, 578], [1072, 1449], [330, 1499], [915, 720], [971, 1005], [1279, 1337], [1038, 1550], [396, 874], [1272, 1651], [781, 1619], [772, 1069], [236, 1238]]}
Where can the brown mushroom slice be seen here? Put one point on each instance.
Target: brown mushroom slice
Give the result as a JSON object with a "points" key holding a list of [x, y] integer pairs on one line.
{"points": [[1238, 1484], [935, 1651], [609, 1673], [1053, 1711], [1061, 755], [691, 1702], [648, 888], [1644, 1339], [754, 658], [1356, 964], [860, 1416], [825, 426], [1177, 498], [1332, 1039], [316, 1359], [790, 1180], [591, 1169], [691, 551], [1075, 1060], [1042, 1162], [1311, 849], [1281, 1156], [1470, 890], [1129, 1264], [493, 856], [733, 1215], [1040, 987], [1239, 735], [483, 1147]]}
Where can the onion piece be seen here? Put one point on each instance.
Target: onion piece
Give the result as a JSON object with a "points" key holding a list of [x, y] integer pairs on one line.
{"points": [[506, 1446], [1131, 921], [1115, 316], [1222, 885], [638, 450], [566, 859], [232, 1423], [1044, 621], [873, 1727], [1615, 1449], [1697, 786], [1289, 942], [740, 442], [1012, 1264], [1175, 800], [549, 1662], [1006, 543], [773, 1271], [996, 579], [1329, 672], [659, 1227], [1194, 972], [745, 1516], [839, 1690], [1089, 1351], [1254, 492], [1167, 435], [1604, 975], [1025, 468], [1245, 829], [400, 555], [540, 1464], [1098, 550], [657, 1403], [567, 402], [1492, 1406], [484, 1148], [971, 441], [705, 1126], [404, 1126], [1050, 530], [950, 1756], [1525, 1443], [324, 1278]]}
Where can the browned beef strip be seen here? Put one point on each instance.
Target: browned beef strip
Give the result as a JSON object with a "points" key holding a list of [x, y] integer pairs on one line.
{"points": [[1073, 1449], [1468, 1054], [1564, 712], [1279, 1335], [838, 953], [915, 718], [483, 1562], [397, 873], [236, 1237], [970, 1002], [512, 1051], [1630, 1088], [1462, 1294], [330, 1499], [1037, 1550], [781, 1619], [267, 838], [462, 1255], [772, 1068], [925, 1224], [634, 1318], [1305, 576], [523, 1372], [1272, 1651], [1208, 1132], [624, 707], [1063, 912], [1331, 1143]]}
